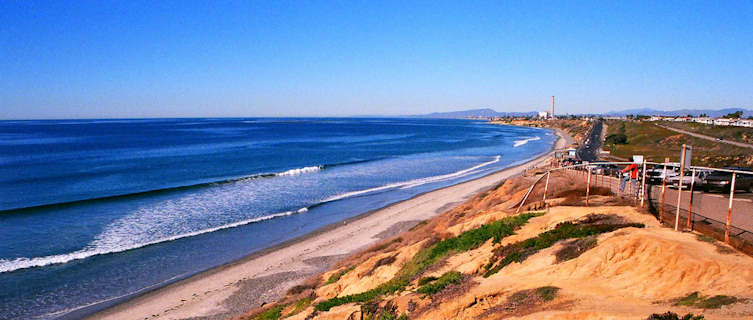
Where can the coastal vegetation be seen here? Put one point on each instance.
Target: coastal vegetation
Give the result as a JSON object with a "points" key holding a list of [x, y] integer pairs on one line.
{"points": [[644, 138], [271, 313], [674, 316], [577, 128], [436, 285], [695, 299], [338, 275]]}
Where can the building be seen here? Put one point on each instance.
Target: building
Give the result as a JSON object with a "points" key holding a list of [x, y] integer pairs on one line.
{"points": [[543, 114], [744, 123], [723, 122], [704, 120]]}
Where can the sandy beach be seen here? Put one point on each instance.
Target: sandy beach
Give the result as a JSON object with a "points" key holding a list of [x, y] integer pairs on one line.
{"points": [[234, 288]]}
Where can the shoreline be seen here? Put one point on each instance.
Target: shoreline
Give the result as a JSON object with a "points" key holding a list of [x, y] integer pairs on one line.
{"points": [[235, 287]]}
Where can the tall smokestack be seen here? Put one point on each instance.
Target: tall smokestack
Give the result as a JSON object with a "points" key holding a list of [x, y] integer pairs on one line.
{"points": [[551, 114]]}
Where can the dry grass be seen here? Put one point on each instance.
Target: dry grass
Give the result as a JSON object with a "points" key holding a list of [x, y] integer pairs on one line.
{"points": [[644, 137]]}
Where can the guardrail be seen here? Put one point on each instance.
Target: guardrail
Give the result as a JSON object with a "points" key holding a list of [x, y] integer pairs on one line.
{"points": [[645, 191]]}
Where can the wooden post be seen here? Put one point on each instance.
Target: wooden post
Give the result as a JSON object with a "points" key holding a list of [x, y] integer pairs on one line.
{"points": [[609, 181], [729, 210], [528, 193], [546, 187], [690, 205], [643, 183], [588, 186], [663, 188], [679, 188]]}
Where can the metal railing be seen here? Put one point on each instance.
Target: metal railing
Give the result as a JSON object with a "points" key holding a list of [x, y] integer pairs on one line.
{"points": [[645, 194]]}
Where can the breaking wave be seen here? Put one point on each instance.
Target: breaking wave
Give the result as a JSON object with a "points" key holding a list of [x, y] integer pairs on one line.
{"points": [[413, 183], [519, 143], [295, 172], [94, 250]]}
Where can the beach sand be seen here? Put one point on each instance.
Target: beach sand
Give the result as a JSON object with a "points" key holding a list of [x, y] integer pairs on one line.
{"points": [[232, 289]]}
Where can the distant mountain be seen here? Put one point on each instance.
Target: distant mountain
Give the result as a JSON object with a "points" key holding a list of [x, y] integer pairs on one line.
{"points": [[475, 113], [681, 112]]}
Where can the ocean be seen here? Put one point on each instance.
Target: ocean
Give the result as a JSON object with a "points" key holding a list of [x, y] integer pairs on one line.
{"points": [[95, 210]]}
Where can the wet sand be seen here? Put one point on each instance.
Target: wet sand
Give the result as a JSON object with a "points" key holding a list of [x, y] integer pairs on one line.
{"points": [[234, 288]]}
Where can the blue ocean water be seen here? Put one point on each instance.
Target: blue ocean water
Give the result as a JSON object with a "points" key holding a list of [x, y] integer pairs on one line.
{"points": [[92, 210]]}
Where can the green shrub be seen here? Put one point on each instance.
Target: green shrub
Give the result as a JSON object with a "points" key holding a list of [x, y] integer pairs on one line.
{"points": [[426, 280], [575, 248], [372, 311], [531, 297], [673, 316], [705, 238], [547, 293], [716, 302], [333, 278], [695, 299], [299, 306], [451, 277], [618, 138], [273, 313], [688, 300]]}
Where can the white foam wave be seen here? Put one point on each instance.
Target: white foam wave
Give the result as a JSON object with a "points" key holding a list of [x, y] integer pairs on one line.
{"points": [[519, 143], [412, 183], [24, 263], [295, 172]]}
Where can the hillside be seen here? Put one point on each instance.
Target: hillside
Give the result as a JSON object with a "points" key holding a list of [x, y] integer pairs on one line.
{"points": [[475, 113], [482, 261], [574, 127], [644, 137]]}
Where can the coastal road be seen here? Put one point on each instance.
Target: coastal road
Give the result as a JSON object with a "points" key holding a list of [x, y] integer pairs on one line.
{"points": [[703, 136], [588, 151], [714, 205]]}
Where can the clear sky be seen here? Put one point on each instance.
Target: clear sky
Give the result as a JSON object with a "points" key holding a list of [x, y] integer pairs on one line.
{"points": [[95, 59]]}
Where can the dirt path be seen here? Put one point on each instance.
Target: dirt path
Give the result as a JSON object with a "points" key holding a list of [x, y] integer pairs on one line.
{"points": [[710, 138]]}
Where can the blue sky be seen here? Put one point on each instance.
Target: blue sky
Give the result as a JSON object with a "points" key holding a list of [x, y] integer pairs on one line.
{"points": [[101, 59]]}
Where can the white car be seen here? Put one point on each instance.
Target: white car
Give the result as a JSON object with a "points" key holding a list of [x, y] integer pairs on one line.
{"points": [[655, 176], [687, 178]]}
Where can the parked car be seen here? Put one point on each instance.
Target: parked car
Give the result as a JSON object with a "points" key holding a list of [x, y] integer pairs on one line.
{"points": [[655, 176], [721, 180], [687, 178], [610, 169]]}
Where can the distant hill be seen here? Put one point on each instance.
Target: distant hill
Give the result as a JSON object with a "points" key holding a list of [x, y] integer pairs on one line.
{"points": [[473, 113], [681, 112]]}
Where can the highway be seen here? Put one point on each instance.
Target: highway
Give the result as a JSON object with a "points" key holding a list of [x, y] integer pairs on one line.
{"points": [[590, 147]]}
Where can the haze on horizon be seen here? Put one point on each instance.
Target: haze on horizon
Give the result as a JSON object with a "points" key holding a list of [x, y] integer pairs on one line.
{"points": [[133, 59]]}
